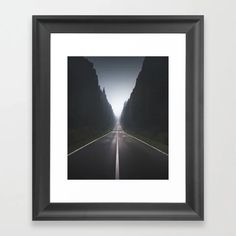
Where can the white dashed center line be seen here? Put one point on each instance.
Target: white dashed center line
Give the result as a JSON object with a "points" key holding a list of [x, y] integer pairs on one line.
{"points": [[117, 176]]}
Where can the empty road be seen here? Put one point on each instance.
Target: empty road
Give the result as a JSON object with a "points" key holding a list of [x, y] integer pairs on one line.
{"points": [[117, 155]]}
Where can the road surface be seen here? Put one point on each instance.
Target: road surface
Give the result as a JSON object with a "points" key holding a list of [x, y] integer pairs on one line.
{"points": [[117, 155]]}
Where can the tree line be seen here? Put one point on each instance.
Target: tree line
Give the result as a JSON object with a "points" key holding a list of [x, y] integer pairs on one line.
{"points": [[89, 113], [145, 114]]}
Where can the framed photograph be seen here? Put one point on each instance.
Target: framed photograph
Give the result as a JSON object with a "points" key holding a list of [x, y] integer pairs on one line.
{"points": [[118, 118]]}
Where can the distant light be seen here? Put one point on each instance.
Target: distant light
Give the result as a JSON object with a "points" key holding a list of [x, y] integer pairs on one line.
{"points": [[117, 105], [117, 96]]}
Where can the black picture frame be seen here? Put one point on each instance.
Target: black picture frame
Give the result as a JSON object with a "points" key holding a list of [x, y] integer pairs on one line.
{"points": [[192, 26]]}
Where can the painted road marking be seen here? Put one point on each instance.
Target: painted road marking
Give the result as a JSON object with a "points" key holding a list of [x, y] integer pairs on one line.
{"points": [[146, 143], [117, 175], [89, 143]]}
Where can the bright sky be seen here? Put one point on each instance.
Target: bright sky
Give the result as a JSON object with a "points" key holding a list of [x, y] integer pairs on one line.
{"points": [[118, 76]]}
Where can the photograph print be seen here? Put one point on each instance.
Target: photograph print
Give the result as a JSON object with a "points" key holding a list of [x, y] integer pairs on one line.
{"points": [[117, 118]]}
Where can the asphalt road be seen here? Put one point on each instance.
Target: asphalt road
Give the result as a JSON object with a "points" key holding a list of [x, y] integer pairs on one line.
{"points": [[117, 155]]}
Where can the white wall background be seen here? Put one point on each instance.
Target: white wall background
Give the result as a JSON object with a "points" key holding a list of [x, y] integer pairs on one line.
{"points": [[15, 117]]}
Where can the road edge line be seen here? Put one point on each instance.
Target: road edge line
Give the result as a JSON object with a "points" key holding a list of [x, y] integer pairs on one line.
{"points": [[147, 144], [88, 144]]}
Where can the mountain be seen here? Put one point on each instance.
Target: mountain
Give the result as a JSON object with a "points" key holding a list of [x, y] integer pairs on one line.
{"points": [[89, 113], [145, 114]]}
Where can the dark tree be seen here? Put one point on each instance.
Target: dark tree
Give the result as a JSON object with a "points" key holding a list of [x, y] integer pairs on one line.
{"points": [[89, 113], [145, 114]]}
